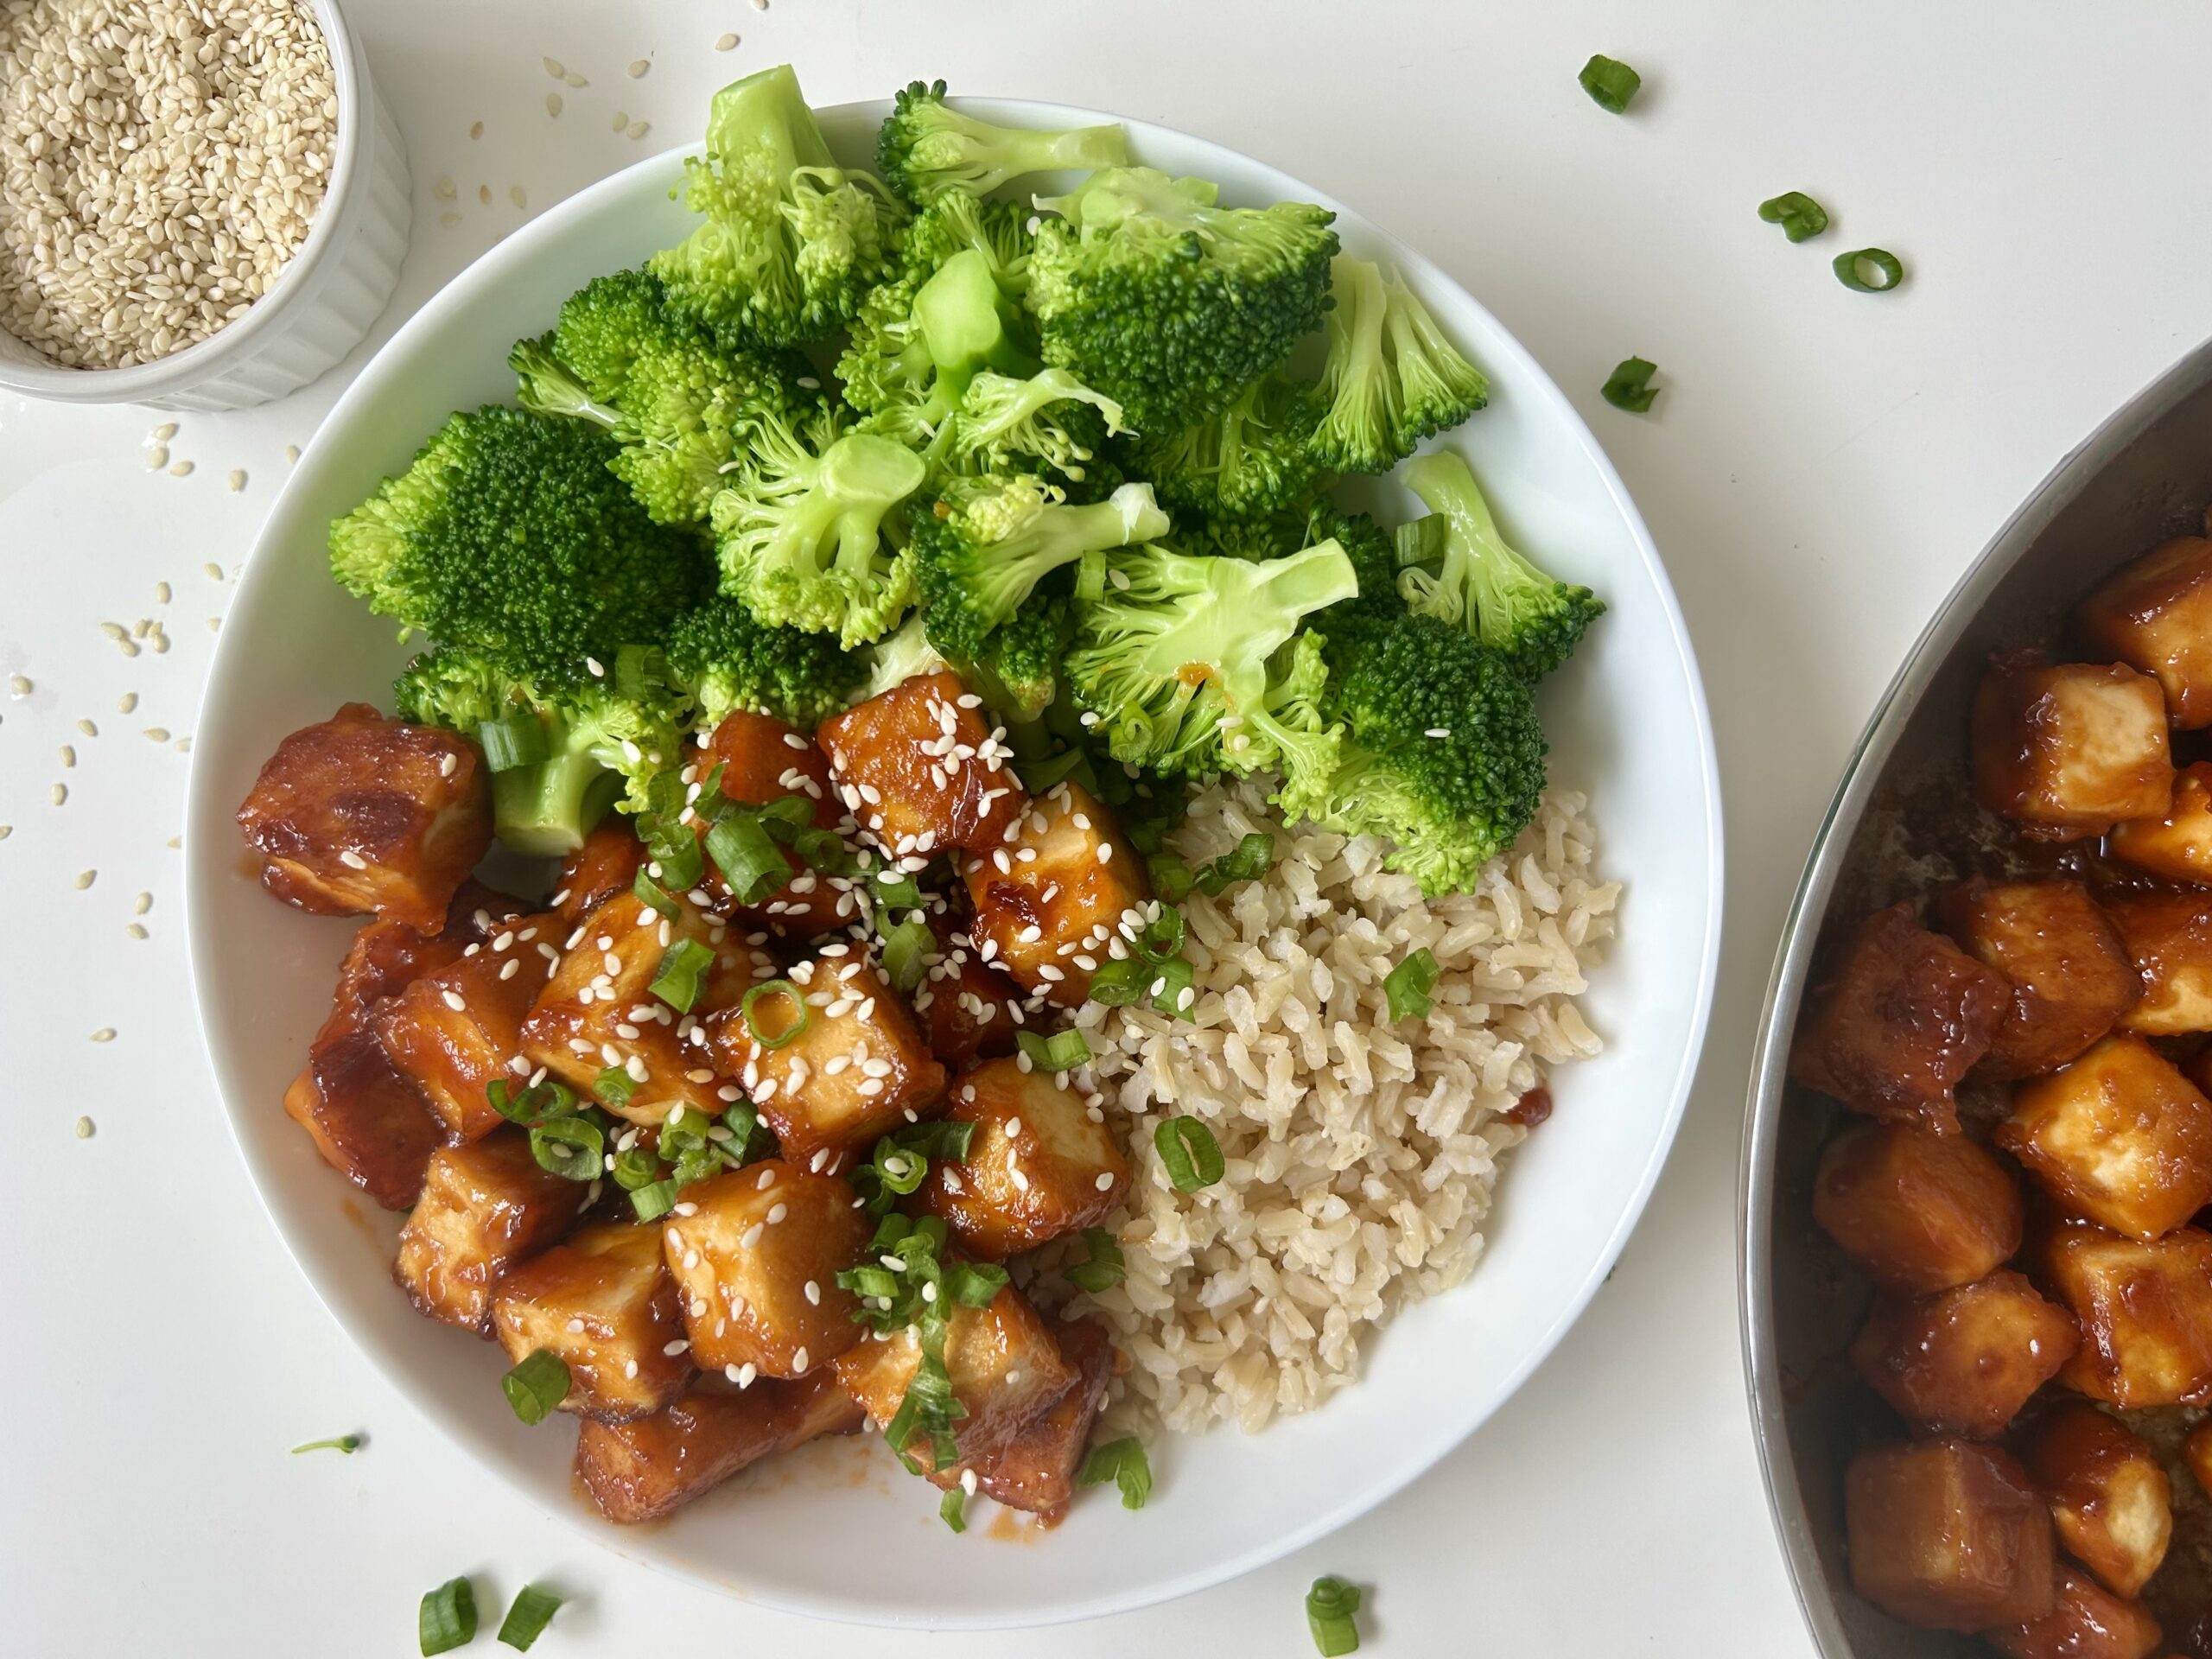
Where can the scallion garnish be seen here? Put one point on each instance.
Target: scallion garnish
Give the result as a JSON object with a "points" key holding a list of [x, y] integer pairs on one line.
{"points": [[1170, 878], [613, 1087], [1062, 1051], [349, 1444], [634, 1169], [539, 1103], [1191, 1153], [743, 1122], [747, 856], [1407, 985], [1869, 270], [650, 891], [823, 850], [1105, 1269], [792, 998], [896, 1169], [1122, 981], [1162, 937], [1249, 861], [1630, 385], [511, 740], [654, 1199], [574, 1147], [447, 1618], [1123, 1463], [907, 953], [974, 1284], [951, 1510], [895, 890], [526, 1620], [537, 1384], [1330, 1606], [676, 981], [1610, 82], [1170, 986], [1799, 215]]}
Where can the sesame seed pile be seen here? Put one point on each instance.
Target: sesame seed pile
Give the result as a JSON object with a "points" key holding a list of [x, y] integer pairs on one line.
{"points": [[160, 161]]}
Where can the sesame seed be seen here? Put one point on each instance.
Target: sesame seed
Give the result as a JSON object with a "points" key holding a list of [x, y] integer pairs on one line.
{"points": [[813, 1293], [752, 1237], [157, 733], [724, 42], [675, 1347], [453, 1001], [105, 1034], [553, 104], [446, 764], [353, 860]]}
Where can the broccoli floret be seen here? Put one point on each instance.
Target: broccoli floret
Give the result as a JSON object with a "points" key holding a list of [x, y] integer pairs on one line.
{"points": [[981, 552], [791, 241], [997, 230], [561, 752], [606, 323], [1373, 552], [897, 657], [1050, 419], [806, 529], [1018, 675], [1391, 378], [925, 150], [1167, 303], [1442, 752], [508, 535], [1181, 658], [1464, 574], [723, 658], [1253, 459], [885, 362]]}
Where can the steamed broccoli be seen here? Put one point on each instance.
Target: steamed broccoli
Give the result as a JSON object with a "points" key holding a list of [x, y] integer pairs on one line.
{"points": [[806, 528], [791, 241], [1167, 303], [1051, 418], [925, 150], [560, 750], [605, 326], [1463, 572], [1391, 378], [1180, 657], [997, 230], [897, 657], [508, 534], [982, 551], [1254, 458], [723, 658]]}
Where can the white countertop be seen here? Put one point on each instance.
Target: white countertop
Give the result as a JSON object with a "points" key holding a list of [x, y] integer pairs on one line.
{"points": [[1819, 469]]}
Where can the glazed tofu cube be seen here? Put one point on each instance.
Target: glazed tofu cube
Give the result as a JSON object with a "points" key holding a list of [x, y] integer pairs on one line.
{"points": [[757, 1265], [384, 959], [368, 1123], [2169, 935], [1948, 1534], [453, 1032], [1898, 1022], [2155, 615], [2108, 1496], [763, 759], [484, 1207], [2118, 1136], [1964, 1361], [2177, 843], [1920, 1212], [607, 863], [969, 1010], [363, 813], [644, 1470], [1037, 1164], [597, 1010], [2067, 750], [922, 772], [603, 1301], [857, 1070], [2071, 976], [1006, 1370], [1049, 902], [2086, 1621], [2145, 1312], [1036, 1473]]}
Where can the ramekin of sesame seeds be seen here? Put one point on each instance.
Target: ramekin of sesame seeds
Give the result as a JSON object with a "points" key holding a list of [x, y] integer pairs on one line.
{"points": [[203, 203]]}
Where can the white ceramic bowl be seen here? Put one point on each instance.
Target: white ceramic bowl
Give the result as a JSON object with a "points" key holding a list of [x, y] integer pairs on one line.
{"points": [[322, 301], [1627, 720]]}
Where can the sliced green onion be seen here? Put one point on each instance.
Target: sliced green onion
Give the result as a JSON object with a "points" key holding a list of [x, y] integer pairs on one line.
{"points": [[1799, 215], [510, 742], [974, 1284], [1190, 1151], [1162, 937], [895, 891], [1407, 985], [785, 816], [654, 1200], [349, 1444], [743, 1122], [869, 1281], [897, 1168], [748, 858], [1172, 980], [650, 891], [779, 987], [634, 1169], [949, 1509], [612, 1087], [1249, 862], [1630, 385], [1329, 1607], [907, 953], [1869, 270], [682, 863], [946, 1138], [537, 1384], [1122, 981], [824, 851], [526, 1620], [572, 1147], [1062, 1051], [1105, 1269], [447, 1618], [539, 1103], [676, 981], [1171, 877], [1610, 82], [1123, 1462]]}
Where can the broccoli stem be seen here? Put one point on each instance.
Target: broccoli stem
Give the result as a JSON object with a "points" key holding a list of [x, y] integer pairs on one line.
{"points": [[546, 808], [1481, 571], [549, 387]]}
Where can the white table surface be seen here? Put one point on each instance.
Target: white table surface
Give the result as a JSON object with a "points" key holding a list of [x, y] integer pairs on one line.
{"points": [[1819, 469]]}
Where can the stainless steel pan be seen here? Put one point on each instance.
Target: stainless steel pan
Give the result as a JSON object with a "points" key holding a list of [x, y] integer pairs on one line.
{"points": [[2145, 474]]}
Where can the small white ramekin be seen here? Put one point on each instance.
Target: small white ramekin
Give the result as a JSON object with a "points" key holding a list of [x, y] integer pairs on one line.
{"points": [[323, 303]]}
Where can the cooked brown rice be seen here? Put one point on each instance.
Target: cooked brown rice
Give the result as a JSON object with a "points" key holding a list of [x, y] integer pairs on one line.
{"points": [[1360, 1154]]}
